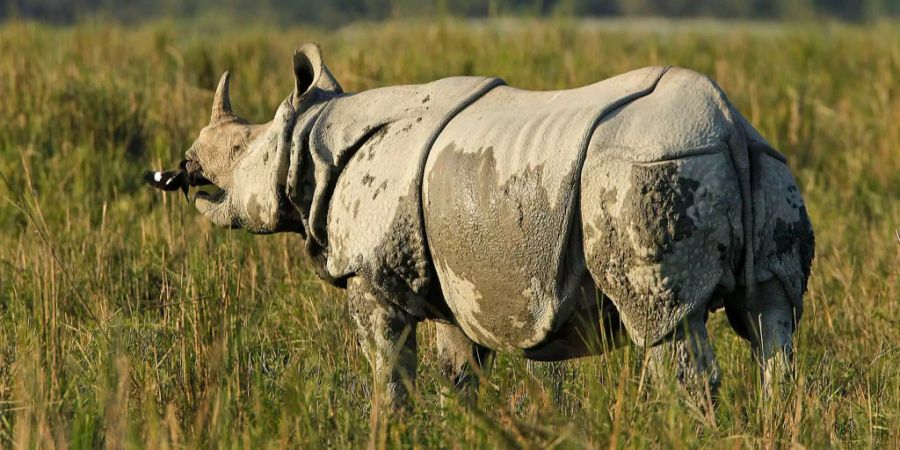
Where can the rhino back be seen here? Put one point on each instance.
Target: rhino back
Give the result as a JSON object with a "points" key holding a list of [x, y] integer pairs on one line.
{"points": [[498, 197]]}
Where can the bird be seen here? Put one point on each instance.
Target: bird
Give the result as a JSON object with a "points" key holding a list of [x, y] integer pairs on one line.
{"points": [[170, 180]]}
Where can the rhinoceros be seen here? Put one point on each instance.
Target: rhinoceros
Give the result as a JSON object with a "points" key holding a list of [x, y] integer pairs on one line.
{"points": [[537, 223]]}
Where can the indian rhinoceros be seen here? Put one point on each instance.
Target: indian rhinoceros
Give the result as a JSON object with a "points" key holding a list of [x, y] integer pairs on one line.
{"points": [[520, 221]]}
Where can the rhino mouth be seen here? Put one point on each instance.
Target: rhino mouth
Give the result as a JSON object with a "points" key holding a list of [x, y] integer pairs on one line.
{"points": [[188, 174], [194, 173]]}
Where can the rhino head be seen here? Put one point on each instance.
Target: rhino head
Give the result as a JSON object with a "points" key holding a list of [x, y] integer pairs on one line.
{"points": [[249, 163]]}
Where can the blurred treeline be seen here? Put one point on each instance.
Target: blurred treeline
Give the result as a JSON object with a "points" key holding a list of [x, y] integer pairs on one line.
{"points": [[335, 12]]}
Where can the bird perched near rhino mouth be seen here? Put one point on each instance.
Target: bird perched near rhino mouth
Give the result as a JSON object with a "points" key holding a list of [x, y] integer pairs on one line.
{"points": [[505, 214], [188, 174]]}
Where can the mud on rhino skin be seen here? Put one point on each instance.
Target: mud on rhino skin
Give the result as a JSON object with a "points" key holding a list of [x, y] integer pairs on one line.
{"points": [[500, 204]]}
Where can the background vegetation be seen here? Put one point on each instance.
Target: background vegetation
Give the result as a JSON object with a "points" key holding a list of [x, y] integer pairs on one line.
{"points": [[126, 320], [343, 11]]}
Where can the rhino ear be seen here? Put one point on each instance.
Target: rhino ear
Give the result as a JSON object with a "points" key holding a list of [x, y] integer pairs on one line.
{"points": [[311, 74]]}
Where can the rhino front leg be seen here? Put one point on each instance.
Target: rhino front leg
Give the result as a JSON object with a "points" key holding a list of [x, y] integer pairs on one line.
{"points": [[460, 360], [688, 356], [388, 337], [770, 320]]}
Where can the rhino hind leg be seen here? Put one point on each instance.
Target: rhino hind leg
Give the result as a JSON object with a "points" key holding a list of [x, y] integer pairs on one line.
{"points": [[784, 248], [388, 337], [688, 357], [553, 375], [768, 323], [661, 240], [460, 360]]}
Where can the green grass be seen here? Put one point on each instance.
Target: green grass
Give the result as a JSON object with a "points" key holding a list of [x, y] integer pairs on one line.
{"points": [[126, 320]]}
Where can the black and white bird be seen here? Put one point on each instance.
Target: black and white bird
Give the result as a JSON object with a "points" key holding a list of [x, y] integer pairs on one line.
{"points": [[171, 180]]}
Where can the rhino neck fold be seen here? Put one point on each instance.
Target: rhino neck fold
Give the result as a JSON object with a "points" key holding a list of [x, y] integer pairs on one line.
{"points": [[366, 154], [297, 188]]}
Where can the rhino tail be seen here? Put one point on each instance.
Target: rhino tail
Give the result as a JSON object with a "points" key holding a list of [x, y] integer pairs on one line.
{"points": [[739, 148]]}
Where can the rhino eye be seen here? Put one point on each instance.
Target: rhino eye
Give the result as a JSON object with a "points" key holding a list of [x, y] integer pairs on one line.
{"points": [[238, 144]]}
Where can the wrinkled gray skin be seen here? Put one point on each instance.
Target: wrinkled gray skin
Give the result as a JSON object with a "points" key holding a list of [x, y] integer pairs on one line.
{"points": [[550, 224]]}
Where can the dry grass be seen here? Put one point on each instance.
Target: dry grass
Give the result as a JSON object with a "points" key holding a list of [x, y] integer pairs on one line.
{"points": [[127, 321]]}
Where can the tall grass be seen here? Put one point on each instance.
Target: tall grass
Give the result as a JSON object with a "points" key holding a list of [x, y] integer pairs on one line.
{"points": [[126, 320]]}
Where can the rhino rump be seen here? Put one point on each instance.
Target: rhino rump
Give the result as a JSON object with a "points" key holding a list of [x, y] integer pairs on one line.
{"points": [[662, 204]]}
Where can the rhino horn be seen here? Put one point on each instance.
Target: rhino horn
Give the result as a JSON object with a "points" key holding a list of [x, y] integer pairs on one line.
{"points": [[221, 108]]}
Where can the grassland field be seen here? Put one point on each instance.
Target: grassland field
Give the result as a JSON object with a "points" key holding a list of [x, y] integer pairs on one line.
{"points": [[128, 321]]}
